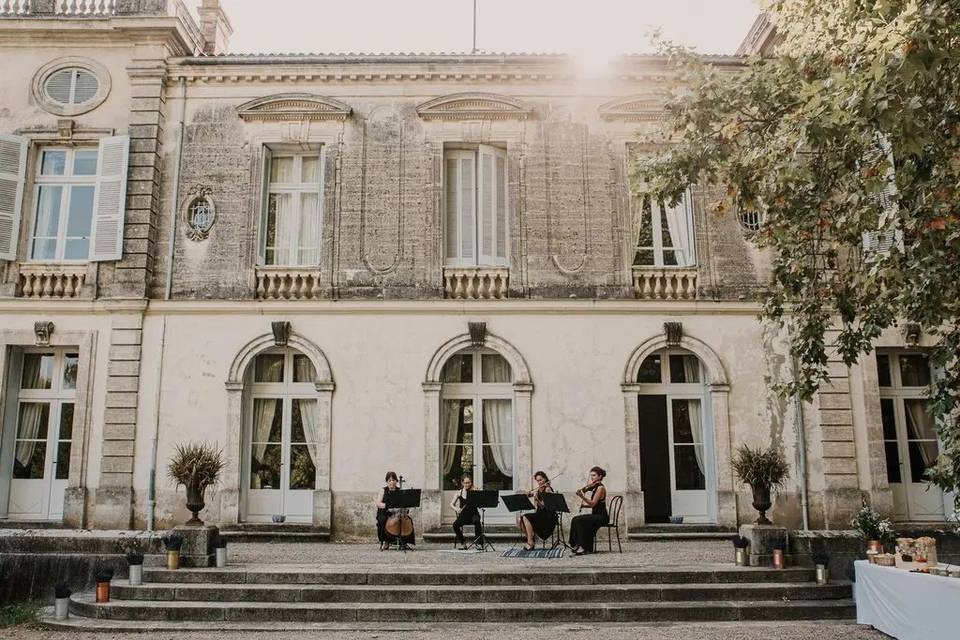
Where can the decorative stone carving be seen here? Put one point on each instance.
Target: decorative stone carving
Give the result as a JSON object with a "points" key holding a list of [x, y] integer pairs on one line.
{"points": [[476, 283], [654, 283], [478, 333], [911, 334], [199, 213], [294, 106], [674, 333], [474, 106], [43, 330], [642, 108], [65, 128], [281, 332]]}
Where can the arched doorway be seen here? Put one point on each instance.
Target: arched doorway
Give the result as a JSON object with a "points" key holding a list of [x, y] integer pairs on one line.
{"points": [[278, 455], [477, 434]]}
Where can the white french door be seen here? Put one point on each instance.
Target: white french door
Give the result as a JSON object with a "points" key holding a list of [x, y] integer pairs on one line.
{"points": [[43, 434], [477, 428], [281, 439], [909, 436]]}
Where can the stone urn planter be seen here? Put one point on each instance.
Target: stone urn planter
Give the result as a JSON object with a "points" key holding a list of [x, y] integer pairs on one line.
{"points": [[763, 470], [195, 503], [196, 467], [762, 503]]}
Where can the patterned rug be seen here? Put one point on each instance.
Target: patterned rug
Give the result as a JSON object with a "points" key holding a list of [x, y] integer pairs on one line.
{"points": [[535, 553]]}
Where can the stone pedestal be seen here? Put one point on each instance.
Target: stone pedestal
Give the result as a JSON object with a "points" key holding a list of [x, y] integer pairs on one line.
{"points": [[763, 538], [197, 549]]}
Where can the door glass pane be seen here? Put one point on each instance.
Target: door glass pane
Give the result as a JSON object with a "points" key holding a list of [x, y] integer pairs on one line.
{"points": [[684, 369], [78, 223], [85, 162], [919, 422], [310, 173], [494, 368], [459, 368], [66, 421], [888, 417], [63, 460], [688, 466], [650, 370], [269, 368], [303, 370], [914, 371], [883, 369], [303, 472], [892, 451], [54, 162], [309, 234], [498, 444], [31, 442], [304, 427], [682, 429], [70, 363], [47, 226], [923, 455], [265, 443], [282, 229], [281, 170], [456, 436], [62, 469], [37, 371]]}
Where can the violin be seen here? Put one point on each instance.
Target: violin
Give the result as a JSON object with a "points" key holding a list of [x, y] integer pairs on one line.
{"points": [[400, 524], [589, 487]]}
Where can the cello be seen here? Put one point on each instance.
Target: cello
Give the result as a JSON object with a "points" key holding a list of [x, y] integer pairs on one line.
{"points": [[400, 524]]}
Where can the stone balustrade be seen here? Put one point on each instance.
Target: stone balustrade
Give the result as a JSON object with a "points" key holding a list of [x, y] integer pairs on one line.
{"points": [[476, 283], [51, 280], [665, 284], [288, 283]]}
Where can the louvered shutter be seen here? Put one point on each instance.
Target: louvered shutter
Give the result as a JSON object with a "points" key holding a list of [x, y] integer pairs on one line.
{"points": [[884, 239], [467, 204], [487, 204], [502, 210], [13, 167], [267, 159], [59, 86], [451, 226], [110, 199], [85, 87]]}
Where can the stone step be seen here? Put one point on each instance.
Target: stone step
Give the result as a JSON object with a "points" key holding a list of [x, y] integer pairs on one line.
{"points": [[469, 576], [671, 532], [84, 605], [453, 594], [273, 532], [493, 532]]}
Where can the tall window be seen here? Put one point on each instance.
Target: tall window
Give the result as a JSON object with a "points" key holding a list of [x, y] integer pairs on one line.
{"points": [[663, 235], [65, 187], [290, 229], [476, 227]]}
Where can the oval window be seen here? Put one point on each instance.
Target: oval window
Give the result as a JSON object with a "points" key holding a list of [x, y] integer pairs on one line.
{"points": [[71, 86]]}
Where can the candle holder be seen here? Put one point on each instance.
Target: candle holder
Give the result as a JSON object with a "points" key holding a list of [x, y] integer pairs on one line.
{"points": [[61, 602], [102, 579]]}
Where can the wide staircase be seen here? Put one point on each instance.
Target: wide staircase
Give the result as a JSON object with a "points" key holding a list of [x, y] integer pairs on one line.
{"points": [[292, 596]]}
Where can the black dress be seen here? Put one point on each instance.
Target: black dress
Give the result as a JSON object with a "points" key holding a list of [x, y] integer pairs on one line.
{"points": [[468, 515], [583, 529], [382, 516], [543, 520]]}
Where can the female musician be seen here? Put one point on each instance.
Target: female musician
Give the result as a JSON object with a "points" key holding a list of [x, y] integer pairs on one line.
{"points": [[583, 529], [383, 514], [542, 521], [466, 514]]}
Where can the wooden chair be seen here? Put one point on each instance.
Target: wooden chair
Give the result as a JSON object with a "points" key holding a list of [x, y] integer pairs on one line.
{"points": [[616, 506]]}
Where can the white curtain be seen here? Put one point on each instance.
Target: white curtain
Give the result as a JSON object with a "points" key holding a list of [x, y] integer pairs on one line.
{"points": [[494, 368], [264, 410], [498, 431], [678, 224], [286, 229], [31, 421], [308, 237], [691, 370], [920, 427], [448, 425], [310, 418]]}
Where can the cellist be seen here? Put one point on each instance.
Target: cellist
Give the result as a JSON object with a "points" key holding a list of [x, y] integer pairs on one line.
{"points": [[384, 514]]}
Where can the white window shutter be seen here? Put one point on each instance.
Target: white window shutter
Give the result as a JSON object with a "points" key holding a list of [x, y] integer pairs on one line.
{"points": [[13, 169], [882, 241], [110, 199], [266, 159], [451, 211], [486, 208], [503, 211], [468, 206]]}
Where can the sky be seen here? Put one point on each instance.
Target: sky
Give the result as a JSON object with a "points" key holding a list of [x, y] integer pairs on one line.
{"points": [[593, 30]]}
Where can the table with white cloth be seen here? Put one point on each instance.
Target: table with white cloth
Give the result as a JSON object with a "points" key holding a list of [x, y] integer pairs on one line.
{"points": [[905, 605]]}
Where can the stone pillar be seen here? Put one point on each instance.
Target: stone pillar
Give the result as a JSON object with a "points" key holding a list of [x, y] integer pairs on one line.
{"points": [[114, 496], [229, 489], [725, 482], [322, 498], [633, 496], [523, 422], [431, 498]]}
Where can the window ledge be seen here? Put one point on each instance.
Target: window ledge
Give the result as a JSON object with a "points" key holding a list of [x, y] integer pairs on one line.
{"points": [[52, 279], [476, 283], [288, 283], [665, 283]]}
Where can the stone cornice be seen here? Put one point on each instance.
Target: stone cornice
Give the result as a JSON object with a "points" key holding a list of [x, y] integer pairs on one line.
{"points": [[294, 106], [474, 106]]}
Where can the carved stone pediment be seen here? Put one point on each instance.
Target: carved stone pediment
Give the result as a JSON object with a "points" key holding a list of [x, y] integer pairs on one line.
{"points": [[294, 106], [474, 106], [644, 108]]}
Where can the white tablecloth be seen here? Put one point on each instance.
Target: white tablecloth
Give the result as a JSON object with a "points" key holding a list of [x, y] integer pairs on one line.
{"points": [[908, 606]]}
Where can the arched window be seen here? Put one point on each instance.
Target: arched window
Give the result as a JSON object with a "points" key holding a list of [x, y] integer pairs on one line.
{"points": [[282, 432], [477, 421], [675, 449]]}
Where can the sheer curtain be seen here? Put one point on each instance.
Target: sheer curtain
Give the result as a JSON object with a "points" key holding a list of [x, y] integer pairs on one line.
{"points": [[450, 426], [691, 370], [678, 224], [310, 418], [264, 410], [31, 421], [920, 427], [498, 432], [286, 232]]}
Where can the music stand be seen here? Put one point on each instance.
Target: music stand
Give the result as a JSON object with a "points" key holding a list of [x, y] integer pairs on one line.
{"points": [[402, 499], [558, 504], [483, 500]]}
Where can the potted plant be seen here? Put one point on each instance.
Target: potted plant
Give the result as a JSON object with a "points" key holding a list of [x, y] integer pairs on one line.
{"points": [[220, 549], [61, 602], [763, 471], [740, 545], [196, 466], [873, 528], [102, 579], [172, 543], [135, 562], [822, 561]]}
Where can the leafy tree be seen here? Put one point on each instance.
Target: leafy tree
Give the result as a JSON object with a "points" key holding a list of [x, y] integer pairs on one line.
{"points": [[845, 144]]}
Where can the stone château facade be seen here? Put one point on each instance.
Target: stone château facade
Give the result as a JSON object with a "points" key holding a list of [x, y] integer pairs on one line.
{"points": [[332, 266]]}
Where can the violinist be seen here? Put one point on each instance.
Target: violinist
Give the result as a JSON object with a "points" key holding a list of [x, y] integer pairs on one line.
{"points": [[384, 514], [583, 528], [466, 514], [542, 521]]}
